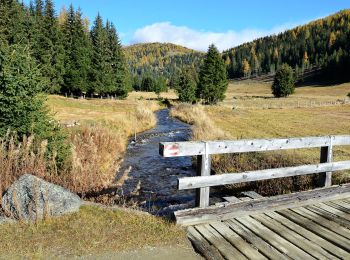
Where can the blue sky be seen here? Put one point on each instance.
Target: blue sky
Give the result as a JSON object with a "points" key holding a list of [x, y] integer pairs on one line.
{"points": [[196, 24]]}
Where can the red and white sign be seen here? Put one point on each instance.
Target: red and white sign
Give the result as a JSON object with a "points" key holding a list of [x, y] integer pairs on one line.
{"points": [[171, 150]]}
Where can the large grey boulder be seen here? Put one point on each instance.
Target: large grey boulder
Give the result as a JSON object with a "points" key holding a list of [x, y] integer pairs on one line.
{"points": [[31, 198]]}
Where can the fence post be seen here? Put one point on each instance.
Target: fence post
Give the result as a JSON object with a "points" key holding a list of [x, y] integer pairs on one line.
{"points": [[203, 169], [326, 156]]}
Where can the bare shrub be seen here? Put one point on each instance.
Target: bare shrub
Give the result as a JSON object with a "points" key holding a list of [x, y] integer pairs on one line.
{"points": [[19, 158], [97, 152]]}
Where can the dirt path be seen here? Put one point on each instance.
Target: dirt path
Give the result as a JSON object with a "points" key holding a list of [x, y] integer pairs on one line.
{"points": [[151, 253]]}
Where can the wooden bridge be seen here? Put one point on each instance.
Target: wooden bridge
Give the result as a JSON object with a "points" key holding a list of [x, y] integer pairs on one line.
{"points": [[302, 225]]}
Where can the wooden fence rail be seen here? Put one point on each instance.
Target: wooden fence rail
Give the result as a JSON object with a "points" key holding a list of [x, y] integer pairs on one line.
{"points": [[203, 151]]}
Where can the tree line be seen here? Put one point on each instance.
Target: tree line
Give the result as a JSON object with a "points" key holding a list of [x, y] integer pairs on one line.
{"points": [[322, 43], [73, 59], [160, 60]]}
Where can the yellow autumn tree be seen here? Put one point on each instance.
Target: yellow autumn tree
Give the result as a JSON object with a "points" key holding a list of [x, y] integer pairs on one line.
{"points": [[246, 68]]}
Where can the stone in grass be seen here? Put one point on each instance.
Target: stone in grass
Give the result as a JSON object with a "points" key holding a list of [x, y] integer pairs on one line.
{"points": [[5, 220], [31, 198]]}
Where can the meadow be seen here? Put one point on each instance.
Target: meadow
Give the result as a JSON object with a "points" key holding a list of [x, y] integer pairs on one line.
{"points": [[252, 94], [250, 112]]}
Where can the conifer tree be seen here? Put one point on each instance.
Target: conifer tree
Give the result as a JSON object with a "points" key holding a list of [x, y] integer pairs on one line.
{"points": [[187, 86], [212, 77], [54, 67], [283, 84], [120, 72], [22, 103], [12, 23], [78, 54], [101, 75]]}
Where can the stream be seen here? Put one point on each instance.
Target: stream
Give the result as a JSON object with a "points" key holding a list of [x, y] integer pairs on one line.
{"points": [[152, 180]]}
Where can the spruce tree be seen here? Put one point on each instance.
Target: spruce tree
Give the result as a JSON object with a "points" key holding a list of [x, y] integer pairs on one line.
{"points": [[54, 68], [78, 54], [13, 23], [187, 86], [22, 103], [212, 77], [120, 72], [101, 75], [283, 84]]}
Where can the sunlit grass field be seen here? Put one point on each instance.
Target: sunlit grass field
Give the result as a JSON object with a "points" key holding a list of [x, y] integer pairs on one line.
{"points": [[257, 95]]}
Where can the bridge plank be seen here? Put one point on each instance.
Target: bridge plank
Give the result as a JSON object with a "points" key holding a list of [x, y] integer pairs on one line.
{"points": [[233, 178], [342, 204], [202, 246], [325, 244], [232, 199], [273, 238], [293, 237], [330, 216], [332, 210], [332, 237], [231, 210], [330, 225], [176, 149], [214, 237], [244, 247], [252, 194], [337, 206], [265, 248]]}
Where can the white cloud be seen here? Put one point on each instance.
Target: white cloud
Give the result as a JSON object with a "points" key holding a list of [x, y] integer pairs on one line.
{"points": [[199, 40]]}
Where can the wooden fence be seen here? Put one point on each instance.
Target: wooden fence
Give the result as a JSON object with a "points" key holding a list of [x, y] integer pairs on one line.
{"points": [[203, 150]]}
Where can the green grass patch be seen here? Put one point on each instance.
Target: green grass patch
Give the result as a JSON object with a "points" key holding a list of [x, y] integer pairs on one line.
{"points": [[92, 230]]}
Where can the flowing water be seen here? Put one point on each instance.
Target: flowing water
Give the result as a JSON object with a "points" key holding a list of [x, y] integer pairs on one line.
{"points": [[152, 180]]}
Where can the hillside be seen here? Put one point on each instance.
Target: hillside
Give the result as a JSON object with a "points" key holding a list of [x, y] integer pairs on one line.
{"points": [[323, 43], [160, 59]]}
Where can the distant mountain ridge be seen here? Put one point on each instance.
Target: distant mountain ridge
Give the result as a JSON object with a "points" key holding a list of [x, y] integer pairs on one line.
{"points": [[323, 43], [160, 59]]}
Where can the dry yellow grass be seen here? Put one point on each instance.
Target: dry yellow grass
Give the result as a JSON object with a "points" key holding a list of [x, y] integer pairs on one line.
{"points": [[221, 121], [100, 140], [91, 231], [203, 126], [139, 95], [257, 95], [121, 115]]}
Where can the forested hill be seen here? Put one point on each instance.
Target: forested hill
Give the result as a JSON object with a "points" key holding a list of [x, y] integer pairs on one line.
{"points": [[322, 43], [160, 59]]}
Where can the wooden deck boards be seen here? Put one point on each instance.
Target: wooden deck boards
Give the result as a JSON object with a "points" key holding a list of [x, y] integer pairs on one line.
{"points": [[317, 231]]}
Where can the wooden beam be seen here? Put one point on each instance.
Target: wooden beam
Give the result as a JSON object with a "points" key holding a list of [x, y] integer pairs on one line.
{"points": [[176, 149], [265, 204], [203, 170], [231, 178], [326, 157]]}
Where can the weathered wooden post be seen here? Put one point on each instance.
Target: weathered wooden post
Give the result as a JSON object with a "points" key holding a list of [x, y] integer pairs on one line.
{"points": [[326, 156], [203, 169]]}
